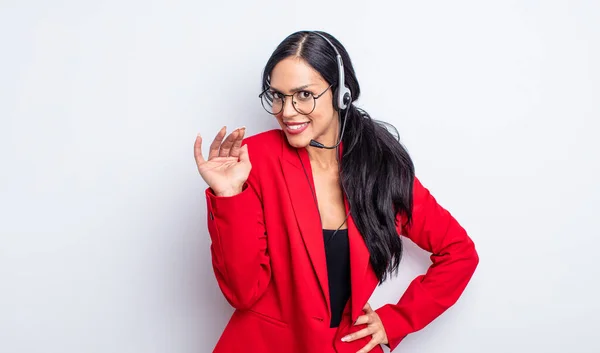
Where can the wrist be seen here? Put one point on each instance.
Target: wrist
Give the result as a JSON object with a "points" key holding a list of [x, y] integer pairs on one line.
{"points": [[229, 192]]}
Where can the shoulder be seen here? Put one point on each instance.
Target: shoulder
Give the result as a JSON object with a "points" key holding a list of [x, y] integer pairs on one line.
{"points": [[265, 149], [264, 144]]}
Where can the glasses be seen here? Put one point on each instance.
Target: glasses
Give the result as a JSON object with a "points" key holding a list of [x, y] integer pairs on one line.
{"points": [[304, 102]]}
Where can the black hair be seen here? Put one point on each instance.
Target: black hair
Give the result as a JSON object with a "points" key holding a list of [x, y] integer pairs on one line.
{"points": [[377, 172]]}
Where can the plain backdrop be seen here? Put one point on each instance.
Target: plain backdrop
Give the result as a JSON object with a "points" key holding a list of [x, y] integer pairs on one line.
{"points": [[103, 238]]}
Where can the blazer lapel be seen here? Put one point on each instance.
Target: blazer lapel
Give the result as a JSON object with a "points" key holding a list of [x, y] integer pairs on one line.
{"points": [[297, 171], [361, 285]]}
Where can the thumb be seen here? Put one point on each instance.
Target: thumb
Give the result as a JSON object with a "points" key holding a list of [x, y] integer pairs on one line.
{"points": [[244, 157]]}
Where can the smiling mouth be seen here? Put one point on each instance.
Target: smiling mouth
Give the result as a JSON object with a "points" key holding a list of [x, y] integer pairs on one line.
{"points": [[296, 126]]}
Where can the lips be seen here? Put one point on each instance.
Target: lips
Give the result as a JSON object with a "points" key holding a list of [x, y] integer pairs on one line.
{"points": [[296, 127]]}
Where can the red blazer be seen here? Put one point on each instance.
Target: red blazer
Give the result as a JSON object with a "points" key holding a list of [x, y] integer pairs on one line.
{"points": [[269, 261]]}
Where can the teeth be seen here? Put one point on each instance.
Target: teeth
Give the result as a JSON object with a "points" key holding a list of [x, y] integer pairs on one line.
{"points": [[296, 127]]}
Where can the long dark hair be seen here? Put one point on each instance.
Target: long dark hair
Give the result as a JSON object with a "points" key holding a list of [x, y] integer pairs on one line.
{"points": [[377, 172]]}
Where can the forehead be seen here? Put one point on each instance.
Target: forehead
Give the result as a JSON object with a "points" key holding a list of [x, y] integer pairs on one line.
{"points": [[294, 72]]}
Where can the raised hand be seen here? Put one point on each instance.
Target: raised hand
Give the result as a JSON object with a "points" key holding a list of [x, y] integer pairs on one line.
{"points": [[228, 164]]}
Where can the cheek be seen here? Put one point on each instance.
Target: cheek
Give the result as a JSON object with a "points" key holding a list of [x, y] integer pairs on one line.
{"points": [[279, 118], [322, 119]]}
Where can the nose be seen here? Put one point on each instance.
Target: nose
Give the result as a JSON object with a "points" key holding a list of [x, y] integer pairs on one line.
{"points": [[288, 108]]}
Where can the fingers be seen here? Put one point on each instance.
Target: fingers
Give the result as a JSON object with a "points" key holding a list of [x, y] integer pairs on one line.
{"points": [[235, 150], [216, 144], [227, 145], [374, 328], [363, 319], [222, 146], [372, 343], [198, 150], [358, 334], [244, 157]]}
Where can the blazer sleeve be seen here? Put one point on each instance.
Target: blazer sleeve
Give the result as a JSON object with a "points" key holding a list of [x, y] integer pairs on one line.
{"points": [[454, 260], [239, 244]]}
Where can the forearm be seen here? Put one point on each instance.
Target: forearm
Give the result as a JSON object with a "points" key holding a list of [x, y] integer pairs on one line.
{"points": [[239, 246]]}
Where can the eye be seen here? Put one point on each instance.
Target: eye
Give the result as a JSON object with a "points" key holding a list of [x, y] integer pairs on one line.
{"points": [[304, 95]]}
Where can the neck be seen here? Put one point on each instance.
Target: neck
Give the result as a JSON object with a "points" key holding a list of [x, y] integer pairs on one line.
{"points": [[323, 157]]}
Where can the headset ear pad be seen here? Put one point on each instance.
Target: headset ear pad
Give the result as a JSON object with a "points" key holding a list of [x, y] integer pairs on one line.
{"points": [[346, 98]]}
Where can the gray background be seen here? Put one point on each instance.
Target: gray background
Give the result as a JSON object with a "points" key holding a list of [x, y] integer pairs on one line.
{"points": [[103, 239]]}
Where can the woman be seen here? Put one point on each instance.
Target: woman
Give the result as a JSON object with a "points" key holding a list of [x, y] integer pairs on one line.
{"points": [[305, 221]]}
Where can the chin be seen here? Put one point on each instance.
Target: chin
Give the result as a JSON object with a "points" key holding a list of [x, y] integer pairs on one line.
{"points": [[298, 141]]}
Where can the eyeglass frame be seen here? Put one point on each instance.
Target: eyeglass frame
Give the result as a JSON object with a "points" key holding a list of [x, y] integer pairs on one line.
{"points": [[315, 97]]}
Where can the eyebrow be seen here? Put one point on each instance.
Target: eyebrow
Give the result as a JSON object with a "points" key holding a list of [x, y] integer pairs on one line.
{"points": [[295, 89]]}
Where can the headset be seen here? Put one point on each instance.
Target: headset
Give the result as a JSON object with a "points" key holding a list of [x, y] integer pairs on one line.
{"points": [[342, 96]]}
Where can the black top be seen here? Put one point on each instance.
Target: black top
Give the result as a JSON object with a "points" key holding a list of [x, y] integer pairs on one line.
{"points": [[337, 252]]}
